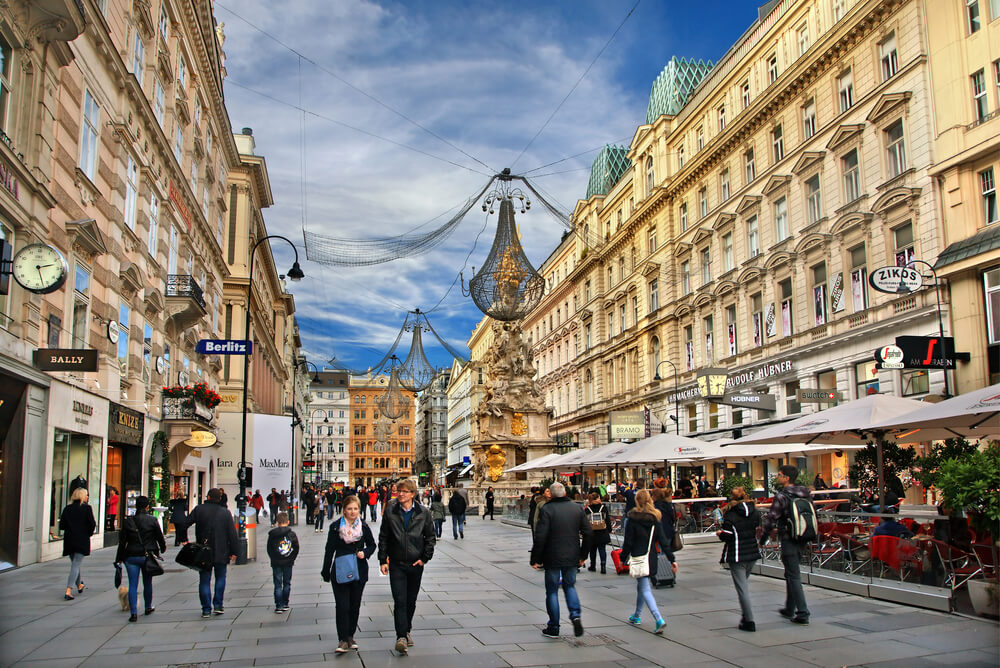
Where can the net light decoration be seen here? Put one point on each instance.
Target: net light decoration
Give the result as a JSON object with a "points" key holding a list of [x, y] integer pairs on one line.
{"points": [[416, 373], [382, 429], [392, 404], [506, 287]]}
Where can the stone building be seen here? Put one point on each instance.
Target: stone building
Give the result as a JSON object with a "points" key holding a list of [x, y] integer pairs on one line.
{"points": [[328, 415], [371, 459], [431, 428]]}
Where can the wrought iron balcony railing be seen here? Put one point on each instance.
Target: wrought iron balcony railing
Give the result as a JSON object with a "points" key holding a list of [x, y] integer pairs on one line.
{"points": [[184, 285], [187, 408]]}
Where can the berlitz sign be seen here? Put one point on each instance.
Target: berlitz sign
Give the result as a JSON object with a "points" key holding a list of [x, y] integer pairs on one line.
{"points": [[224, 347], [895, 280]]}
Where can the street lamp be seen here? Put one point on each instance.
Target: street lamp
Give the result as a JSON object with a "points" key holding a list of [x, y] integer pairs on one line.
{"points": [[295, 274], [677, 414]]}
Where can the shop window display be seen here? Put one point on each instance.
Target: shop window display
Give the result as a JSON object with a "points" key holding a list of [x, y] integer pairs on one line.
{"points": [[72, 455]]}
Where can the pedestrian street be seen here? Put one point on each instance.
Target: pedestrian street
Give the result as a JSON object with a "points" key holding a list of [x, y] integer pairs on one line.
{"points": [[481, 605]]}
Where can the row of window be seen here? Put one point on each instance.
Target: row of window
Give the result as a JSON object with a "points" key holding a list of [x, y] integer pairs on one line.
{"points": [[387, 463], [980, 98], [973, 15]]}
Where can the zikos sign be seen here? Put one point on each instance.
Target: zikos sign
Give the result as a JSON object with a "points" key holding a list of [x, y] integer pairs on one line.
{"points": [[895, 280]]}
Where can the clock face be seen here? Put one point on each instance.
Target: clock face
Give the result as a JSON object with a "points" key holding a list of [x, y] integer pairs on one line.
{"points": [[113, 331], [39, 268], [160, 365]]}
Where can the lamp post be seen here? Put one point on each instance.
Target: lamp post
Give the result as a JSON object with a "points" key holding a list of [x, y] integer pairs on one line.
{"points": [[937, 294], [677, 414], [295, 274]]}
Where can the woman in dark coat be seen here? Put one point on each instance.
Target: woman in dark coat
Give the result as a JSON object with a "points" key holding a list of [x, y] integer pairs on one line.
{"points": [[668, 515], [600, 523], [349, 534], [77, 524], [178, 516], [140, 535], [739, 533], [642, 533]]}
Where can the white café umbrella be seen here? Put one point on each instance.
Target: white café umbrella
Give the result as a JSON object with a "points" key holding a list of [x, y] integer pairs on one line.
{"points": [[764, 451], [581, 458], [537, 462], [656, 449], [850, 423], [972, 415]]}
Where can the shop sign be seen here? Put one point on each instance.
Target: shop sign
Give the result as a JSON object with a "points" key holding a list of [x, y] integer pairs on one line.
{"points": [[125, 425], [178, 200], [895, 280], [760, 373], [224, 347], [820, 396], [927, 352], [684, 395], [771, 321], [65, 359], [201, 439], [837, 294], [889, 357], [626, 424], [761, 401], [82, 412]]}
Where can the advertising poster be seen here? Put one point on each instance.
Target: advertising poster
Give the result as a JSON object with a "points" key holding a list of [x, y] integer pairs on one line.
{"points": [[272, 452]]}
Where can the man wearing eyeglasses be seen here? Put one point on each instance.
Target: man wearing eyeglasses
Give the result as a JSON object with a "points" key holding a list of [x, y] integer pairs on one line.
{"points": [[405, 544]]}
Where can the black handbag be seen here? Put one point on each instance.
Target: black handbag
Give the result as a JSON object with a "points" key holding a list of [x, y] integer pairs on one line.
{"points": [[118, 576], [153, 566], [196, 556]]}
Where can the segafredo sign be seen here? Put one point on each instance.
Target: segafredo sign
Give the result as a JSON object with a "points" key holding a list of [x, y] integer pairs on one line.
{"points": [[895, 280]]}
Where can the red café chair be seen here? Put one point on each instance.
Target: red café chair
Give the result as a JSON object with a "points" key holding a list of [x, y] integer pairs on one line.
{"points": [[897, 554], [959, 566], [987, 557], [856, 554], [909, 523]]}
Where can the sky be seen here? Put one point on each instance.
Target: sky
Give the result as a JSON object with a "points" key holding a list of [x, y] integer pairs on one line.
{"points": [[392, 114]]}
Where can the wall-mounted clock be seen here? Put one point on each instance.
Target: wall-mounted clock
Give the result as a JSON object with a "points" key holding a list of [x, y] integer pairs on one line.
{"points": [[161, 364], [39, 268], [114, 331]]}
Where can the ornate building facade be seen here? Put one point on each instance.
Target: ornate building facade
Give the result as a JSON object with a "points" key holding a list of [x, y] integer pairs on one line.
{"points": [[372, 461]]}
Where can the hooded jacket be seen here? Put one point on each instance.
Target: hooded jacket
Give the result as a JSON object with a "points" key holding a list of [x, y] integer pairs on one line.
{"points": [[282, 546], [397, 543], [777, 516], [739, 533], [636, 540], [562, 534]]}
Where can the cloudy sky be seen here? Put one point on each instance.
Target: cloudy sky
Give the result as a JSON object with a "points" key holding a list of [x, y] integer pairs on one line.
{"points": [[482, 76]]}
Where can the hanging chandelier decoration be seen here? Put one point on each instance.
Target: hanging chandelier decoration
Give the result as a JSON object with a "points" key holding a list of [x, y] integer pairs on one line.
{"points": [[392, 404], [506, 287], [382, 429], [416, 373]]}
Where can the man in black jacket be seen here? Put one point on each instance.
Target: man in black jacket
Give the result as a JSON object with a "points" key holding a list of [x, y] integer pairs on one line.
{"points": [[456, 506], [561, 545], [405, 544], [214, 527], [791, 551]]}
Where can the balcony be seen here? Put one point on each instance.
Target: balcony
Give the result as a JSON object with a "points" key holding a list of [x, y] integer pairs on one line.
{"points": [[184, 302], [188, 409]]}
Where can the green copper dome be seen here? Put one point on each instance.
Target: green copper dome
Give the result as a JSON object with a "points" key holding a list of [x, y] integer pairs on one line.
{"points": [[671, 90], [608, 167]]}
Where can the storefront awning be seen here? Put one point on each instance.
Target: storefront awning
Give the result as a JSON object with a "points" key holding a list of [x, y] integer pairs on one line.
{"points": [[977, 244]]}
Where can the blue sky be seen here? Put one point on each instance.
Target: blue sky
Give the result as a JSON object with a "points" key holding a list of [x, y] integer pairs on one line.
{"points": [[483, 75]]}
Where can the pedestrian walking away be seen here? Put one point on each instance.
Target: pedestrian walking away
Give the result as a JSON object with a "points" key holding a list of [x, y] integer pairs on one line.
{"points": [[178, 517], [457, 506], [791, 550], [214, 527], [643, 533], [257, 503], [282, 548], [437, 512], [488, 510], [77, 524], [140, 537], [740, 552], [320, 516], [273, 500], [560, 546], [349, 547], [600, 524], [405, 544], [372, 503]]}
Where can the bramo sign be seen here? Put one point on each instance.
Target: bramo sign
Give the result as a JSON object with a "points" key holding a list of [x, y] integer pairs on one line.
{"points": [[895, 280]]}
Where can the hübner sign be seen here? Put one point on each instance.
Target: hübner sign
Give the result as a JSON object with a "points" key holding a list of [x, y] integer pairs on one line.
{"points": [[759, 374]]}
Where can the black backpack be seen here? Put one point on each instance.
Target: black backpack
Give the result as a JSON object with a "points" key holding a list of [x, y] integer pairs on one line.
{"points": [[801, 519]]}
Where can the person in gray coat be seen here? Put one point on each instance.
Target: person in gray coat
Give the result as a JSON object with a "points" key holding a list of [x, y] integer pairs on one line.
{"points": [[561, 545], [214, 527]]}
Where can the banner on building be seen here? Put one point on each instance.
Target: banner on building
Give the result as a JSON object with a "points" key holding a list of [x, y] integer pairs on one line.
{"points": [[272, 452]]}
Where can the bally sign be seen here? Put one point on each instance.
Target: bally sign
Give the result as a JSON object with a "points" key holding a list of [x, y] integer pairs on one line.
{"points": [[895, 280], [65, 359], [224, 347]]}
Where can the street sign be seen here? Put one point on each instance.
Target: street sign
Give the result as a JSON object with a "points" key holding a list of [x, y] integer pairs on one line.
{"points": [[819, 396], [758, 401], [224, 347], [895, 280], [889, 357]]}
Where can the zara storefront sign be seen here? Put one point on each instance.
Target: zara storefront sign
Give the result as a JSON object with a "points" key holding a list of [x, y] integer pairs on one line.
{"points": [[895, 280]]}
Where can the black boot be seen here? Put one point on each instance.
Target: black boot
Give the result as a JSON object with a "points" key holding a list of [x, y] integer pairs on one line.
{"points": [[604, 570], [592, 567]]}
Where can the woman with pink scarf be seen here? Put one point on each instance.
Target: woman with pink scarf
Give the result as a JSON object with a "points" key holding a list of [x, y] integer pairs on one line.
{"points": [[349, 537]]}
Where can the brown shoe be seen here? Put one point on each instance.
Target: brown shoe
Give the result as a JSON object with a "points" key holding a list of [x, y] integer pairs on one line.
{"points": [[409, 640], [343, 647], [401, 645]]}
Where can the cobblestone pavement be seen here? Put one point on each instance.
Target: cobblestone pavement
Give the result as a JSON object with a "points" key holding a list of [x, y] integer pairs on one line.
{"points": [[481, 605]]}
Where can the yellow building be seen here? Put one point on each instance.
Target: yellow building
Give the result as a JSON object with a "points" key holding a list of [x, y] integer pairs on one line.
{"points": [[965, 85], [739, 228], [373, 459]]}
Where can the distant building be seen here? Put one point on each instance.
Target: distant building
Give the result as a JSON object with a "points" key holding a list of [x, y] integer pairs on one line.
{"points": [[372, 461], [328, 418], [431, 428]]}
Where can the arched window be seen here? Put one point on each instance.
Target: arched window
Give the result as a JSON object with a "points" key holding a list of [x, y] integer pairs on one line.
{"points": [[654, 355], [649, 175], [588, 388]]}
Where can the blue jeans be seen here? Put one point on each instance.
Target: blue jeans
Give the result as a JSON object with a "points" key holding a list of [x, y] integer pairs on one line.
{"points": [[133, 565], [282, 576], [437, 527], [552, 577], [644, 594], [205, 587], [795, 597], [458, 525]]}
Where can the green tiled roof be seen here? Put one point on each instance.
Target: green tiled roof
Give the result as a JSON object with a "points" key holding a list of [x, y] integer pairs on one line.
{"points": [[982, 242], [674, 86], [608, 167]]}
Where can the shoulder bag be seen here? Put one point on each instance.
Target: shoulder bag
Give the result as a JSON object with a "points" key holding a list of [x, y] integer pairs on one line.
{"points": [[639, 567], [153, 566], [678, 543], [346, 568]]}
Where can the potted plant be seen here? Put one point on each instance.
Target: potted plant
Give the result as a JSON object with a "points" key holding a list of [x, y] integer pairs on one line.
{"points": [[971, 483]]}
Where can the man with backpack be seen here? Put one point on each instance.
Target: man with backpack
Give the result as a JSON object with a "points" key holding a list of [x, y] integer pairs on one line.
{"points": [[793, 514]]}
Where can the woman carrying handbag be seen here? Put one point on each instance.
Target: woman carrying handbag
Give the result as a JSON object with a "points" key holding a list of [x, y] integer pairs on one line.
{"points": [[77, 524], [641, 532], [349, 545], [139, 547]]}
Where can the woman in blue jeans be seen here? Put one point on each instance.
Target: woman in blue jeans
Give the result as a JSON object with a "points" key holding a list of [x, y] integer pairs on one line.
{"points": [[140, 536], [642, 533]]}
